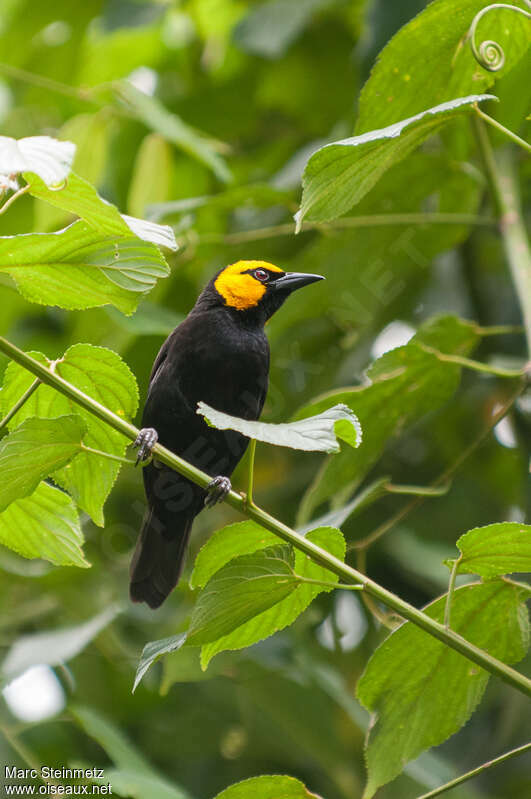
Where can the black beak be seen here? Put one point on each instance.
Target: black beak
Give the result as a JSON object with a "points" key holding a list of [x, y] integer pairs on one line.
{"points": [[293, 280]]}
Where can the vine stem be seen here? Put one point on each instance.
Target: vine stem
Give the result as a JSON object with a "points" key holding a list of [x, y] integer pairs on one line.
{"points": [[316, 553], [507, 203], [249, 503], [442, 479], [373, 220], [450, 594], [14, 197], [479, 770], [509, 133], [24, 398]]}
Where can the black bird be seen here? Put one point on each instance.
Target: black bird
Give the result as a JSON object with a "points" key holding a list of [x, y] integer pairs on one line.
{"points": [[218, 354]]}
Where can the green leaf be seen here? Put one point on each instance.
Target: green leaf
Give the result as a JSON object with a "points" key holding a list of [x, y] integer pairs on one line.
{"points": [[49, 158], [153, 114], [241, 538], [54, 647], [313, 434], [495, 549], [44, 525], [338, 175], [269, 29], [37, 448], [406, 383], [241, 590], [288, 609], [134, 775], [429, 61], [79, 268], [79, 197], [268, 787], [102, 375], [155, 650], [424, 690]]}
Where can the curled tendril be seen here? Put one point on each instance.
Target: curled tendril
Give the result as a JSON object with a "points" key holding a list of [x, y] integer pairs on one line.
{"points": [[490, 54]]}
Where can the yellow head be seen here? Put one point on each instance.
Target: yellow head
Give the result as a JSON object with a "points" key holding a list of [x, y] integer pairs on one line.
{"points": [[243, 284]]}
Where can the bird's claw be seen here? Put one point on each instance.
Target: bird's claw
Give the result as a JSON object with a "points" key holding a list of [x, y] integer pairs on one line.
{"points": [[217, 490], [145, 441]]}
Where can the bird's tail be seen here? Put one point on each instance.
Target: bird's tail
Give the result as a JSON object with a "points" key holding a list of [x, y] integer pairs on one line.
{"points": [[158, 559]]}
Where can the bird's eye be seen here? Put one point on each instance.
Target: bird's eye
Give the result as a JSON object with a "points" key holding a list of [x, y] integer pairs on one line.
{"points": [[261, 274]]}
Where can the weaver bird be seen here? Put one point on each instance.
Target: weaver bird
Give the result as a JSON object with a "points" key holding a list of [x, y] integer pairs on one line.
{"points": [[218, 354]]}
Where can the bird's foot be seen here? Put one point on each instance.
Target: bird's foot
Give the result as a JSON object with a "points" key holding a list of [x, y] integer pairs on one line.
{"points": [[217, 490], [145, 441]]}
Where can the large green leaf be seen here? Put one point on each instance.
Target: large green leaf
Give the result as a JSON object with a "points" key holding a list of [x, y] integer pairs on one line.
{"points": [[49, 158], [338, 175], [288, 609], [429, 61], [102, 375], [495, 549], [38, 448], [241, 590], [312, 434], [54, 647], [44, 525], [80, 268], [154, 114], [268, 787], [406, 383], [424, 690]]}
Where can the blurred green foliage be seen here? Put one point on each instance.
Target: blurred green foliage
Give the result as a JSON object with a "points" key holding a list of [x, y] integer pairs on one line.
{"points": [[202, 114]]}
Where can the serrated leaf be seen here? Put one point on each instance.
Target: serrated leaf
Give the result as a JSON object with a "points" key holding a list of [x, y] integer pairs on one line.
{"points": [[155, 650], [429, 61], [242, 589], [36, 449], [338, 175], [268, 787], [406, 383], [79, 268], [153, 114], [312, 434], [495, 549], [49, 158], [54, 647], [44, 525], [287, 610], [102, 375], [422, 691]]}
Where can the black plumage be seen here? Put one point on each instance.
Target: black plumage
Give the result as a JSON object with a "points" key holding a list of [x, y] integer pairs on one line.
{"points": [[219, 354]]}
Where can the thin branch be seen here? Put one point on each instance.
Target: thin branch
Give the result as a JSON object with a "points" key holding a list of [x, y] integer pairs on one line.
{"points": [[474, 773], [495, 124], [470, 363], [250, 474], [108, 455], [14, 197], [24, 398], [505, 197], [316, 553], [450, 594], [32, 78], [443, 478], [375, 220]]}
